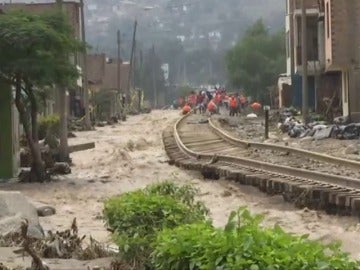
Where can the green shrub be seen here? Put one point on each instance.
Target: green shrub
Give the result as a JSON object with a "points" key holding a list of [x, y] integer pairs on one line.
{"points": [[243, 244], [185, 194], [49, 124], [137, 217]]}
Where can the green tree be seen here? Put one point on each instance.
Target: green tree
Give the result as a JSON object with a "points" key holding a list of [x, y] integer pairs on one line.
{"points": [[35, 54], [256, 61]]}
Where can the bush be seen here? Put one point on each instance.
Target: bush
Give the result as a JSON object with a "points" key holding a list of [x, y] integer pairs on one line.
{"points": [[137, 217], [185, 194], [243, 244], [49, 124]]}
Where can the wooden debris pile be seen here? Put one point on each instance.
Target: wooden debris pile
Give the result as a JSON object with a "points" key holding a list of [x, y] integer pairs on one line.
{"points": [[60, 245]]}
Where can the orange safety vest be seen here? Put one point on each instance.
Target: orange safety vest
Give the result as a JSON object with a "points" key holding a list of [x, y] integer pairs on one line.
{"points": [[211, 106], [233, 102], [256, 106], [186, 109]]}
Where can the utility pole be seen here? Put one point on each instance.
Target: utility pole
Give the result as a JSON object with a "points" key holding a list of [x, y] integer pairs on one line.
{"points": [[154, 76], [134, 66], [84, 71], [62, 110], [305, 93], [119, 95], [119, 61], [131, 63], [140, 79]]}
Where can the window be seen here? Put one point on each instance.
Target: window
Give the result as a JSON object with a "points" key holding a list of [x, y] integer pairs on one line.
{"points": [[328, 20]]}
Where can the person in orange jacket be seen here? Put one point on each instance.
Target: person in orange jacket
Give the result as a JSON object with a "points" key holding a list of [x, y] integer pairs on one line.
{"points": [[212, 108], [186, 109], [233, 105], [256, 106], [243, 101]]}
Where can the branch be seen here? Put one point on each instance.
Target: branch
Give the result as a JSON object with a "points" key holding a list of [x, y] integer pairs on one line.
{"points": [[37, 263]]}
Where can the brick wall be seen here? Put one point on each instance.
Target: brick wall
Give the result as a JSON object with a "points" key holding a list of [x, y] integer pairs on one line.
{"points": [[342, 20]]}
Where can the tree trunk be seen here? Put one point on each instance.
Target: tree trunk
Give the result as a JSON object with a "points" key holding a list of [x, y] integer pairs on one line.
{"points": [[38, 173], [33, 112]]}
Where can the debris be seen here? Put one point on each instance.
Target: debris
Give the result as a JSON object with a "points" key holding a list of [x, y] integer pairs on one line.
{"points": [[226, 193], [319, 130], [71, 135], [60, 245], [342, 120], [350, 132], [45, 211], [61, 168], [251, 116], [323, 132], [37, 263], [352, 150]]}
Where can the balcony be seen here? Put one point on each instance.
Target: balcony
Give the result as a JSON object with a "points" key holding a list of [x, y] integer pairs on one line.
{"points": [[314, 45]]}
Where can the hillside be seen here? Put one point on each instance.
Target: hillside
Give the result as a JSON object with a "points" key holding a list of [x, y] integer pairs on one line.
{"points": [[196, 22]]}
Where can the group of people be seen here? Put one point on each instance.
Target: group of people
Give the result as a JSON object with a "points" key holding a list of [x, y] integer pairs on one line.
{"points": [[212, 101]]}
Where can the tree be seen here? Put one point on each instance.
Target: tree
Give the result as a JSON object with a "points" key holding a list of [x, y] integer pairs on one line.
{"points": [[35, 54], [256, 61]]}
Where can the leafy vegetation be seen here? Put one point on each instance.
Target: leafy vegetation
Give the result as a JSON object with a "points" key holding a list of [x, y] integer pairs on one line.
{"points": [[256, 61], [49, 124], [185, 194], [137, 217], [243, 244], [162, 227], [35, 54]]}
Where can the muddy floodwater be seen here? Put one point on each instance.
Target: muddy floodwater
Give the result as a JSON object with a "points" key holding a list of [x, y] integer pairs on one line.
{"points": [[130, 155]]}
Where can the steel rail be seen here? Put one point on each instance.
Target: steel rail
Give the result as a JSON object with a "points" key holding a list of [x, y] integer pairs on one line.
{"points": [[268, 167], [312, 155]]}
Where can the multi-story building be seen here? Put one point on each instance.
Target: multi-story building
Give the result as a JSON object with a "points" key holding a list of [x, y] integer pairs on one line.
{"points": [[333, 43]]}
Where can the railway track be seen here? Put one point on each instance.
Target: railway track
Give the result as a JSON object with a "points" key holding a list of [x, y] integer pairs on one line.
{"points": [[195, 143]]}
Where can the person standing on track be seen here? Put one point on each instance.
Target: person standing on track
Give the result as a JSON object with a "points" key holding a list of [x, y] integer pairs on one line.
{"points": [[233, 105], [212, 108], [186, 109]]}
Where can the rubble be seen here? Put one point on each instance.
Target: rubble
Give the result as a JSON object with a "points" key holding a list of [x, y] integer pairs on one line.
{"points": [[318, 130], [45, 211], [59, 245]]}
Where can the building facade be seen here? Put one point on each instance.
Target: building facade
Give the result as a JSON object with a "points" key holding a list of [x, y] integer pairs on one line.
{"points": [[104, 80], [332, 53], [9, 135]]}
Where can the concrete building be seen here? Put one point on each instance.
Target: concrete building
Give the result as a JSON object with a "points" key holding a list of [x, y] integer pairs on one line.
{"points": [[103, 73], [333, 42], [103, 81], [9, 135]]}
